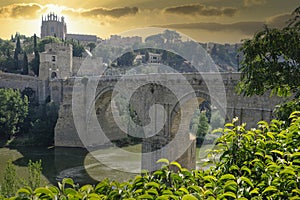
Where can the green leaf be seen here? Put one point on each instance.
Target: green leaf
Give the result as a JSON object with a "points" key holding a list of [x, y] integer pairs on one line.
{"points": [[270, 189], [145, 196], [152, 191], [163, 160], [176, 164], [54, 189], [247, 180], [189, 197], [152, 184], [139, 191], [209, 178], [277, 152], [68, 181], [70, 191], [288, 170], [245, 168], [296, 191], [230, 185], [228, 194], [227, 177], [296, 154], [184, 190], [87, 188], [195, 188], [45, 191], [270, 135], [24, 191], [234, 167], [163, 197], [254, 191]]}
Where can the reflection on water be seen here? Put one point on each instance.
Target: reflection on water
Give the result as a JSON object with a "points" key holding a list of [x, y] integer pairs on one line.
{"points": [[59, 163], [77, 163]]}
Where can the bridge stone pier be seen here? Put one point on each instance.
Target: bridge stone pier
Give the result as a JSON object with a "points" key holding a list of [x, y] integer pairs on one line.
{"points": [[153, 111]]}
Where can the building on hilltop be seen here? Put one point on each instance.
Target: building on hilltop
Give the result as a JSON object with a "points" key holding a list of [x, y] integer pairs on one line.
{"points": [[53, 26], [82, 38], [117, 40]]}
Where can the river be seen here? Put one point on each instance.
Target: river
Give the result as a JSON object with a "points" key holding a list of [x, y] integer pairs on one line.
{"points": [[75, 163]]}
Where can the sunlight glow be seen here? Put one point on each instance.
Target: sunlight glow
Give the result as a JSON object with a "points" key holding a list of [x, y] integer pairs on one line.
{"points": [[54, 8]]}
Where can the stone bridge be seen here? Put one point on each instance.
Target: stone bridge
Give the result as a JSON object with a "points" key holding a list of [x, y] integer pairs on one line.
{"points": [[155, 107]]}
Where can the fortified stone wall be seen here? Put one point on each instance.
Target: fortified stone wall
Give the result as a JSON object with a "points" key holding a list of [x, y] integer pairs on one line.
{"points": [[17, 81]]}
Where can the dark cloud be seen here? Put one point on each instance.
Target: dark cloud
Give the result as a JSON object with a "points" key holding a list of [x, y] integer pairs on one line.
{"points": [[20, 10], [278, 21], [100, 12], [247, 28], [200, 9]]}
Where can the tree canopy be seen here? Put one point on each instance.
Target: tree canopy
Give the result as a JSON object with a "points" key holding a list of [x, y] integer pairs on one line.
{"points": [[271, 60], [13, 110]]}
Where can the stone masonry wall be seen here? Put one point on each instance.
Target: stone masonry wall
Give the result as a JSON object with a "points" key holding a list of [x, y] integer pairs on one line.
{"points": [[17, 81]]}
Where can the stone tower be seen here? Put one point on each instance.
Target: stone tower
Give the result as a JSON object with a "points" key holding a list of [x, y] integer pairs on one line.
{"points": [[56, 61], [53, 26], [56, 65]]}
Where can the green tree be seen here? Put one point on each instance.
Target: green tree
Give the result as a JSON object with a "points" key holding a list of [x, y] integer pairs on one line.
{"points": [[9, 184], [202, 126], [6, 47], [34, 43], [35, 63], [47, 40], [18, 46], [13, 110], [156, 39], [171, 36], [25, 64], [16, 60], [271, 60], [126, 59], [78, 49]]}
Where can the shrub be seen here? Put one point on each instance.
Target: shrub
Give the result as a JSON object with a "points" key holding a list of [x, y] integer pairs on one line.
{"points": [[261, 163]]}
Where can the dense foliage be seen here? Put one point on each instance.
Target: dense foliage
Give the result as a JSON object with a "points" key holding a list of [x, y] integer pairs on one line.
{"points": [[271, 60], [13, 111], [11, 182], [261, 163]]}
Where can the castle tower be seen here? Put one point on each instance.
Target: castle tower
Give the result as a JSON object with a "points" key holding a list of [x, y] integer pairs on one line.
{"points": [[53, 26], [56, 61], [56, 65]]}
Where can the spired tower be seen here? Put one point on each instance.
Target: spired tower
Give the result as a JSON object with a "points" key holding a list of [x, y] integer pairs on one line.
{"points": [[53, 26]]}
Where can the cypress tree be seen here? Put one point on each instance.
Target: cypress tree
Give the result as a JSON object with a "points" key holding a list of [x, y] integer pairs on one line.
{"points": [[25, 65], [34, 43], [18, 46]]}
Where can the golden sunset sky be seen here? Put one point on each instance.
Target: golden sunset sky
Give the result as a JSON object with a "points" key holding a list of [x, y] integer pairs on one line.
{"points": [[223, 21]]}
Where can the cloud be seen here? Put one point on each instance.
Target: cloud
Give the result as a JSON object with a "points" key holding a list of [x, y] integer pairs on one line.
{"points": [[100, 12], [33, 10], [278, 21], [248, 3], [247, 28], [23, 10], [200, 9]]}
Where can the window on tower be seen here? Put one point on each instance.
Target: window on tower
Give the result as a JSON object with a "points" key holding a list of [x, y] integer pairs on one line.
{"points": [[52, 29], [53, 58]]}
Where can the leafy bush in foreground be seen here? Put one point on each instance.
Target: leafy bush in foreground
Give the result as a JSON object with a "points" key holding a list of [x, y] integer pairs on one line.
{"points": [[261, 163]]}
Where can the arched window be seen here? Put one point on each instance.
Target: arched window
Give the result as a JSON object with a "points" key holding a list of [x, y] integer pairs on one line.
{"points": [[53, 75]]}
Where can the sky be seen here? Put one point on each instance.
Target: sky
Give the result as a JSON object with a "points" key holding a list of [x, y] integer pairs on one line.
{"points": [[222, 21]]}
